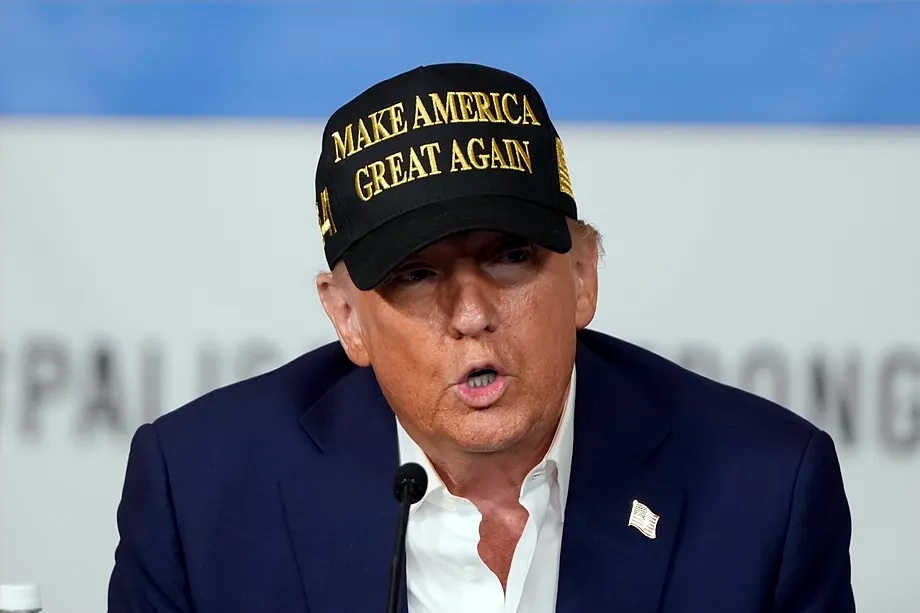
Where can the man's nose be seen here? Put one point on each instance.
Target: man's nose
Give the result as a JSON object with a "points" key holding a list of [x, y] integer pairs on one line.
{"points": [[471, 302]]}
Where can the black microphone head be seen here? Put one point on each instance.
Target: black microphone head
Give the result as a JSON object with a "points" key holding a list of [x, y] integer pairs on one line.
{"points": [[412, 480]]}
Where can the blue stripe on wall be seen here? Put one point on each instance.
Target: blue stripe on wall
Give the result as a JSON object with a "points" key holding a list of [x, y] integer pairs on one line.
{"points": [[628, 62]]}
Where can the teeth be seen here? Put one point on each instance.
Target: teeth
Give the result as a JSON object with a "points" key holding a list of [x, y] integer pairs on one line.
{"points": [[480, 380]]}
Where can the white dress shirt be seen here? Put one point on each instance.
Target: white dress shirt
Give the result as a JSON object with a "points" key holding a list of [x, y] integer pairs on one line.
{"points": [[444, 572]]}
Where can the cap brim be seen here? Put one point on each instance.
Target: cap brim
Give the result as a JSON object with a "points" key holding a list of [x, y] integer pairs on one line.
{"points": [[371, 259]]}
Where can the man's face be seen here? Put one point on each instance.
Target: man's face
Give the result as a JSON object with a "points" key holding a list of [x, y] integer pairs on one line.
{"points": [[472, 339]]}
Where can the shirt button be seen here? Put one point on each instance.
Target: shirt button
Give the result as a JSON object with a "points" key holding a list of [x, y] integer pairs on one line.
{"points": [[470, 573]]}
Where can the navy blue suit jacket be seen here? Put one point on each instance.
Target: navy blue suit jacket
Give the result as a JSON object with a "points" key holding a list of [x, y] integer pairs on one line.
{"points": [[275, 494]]}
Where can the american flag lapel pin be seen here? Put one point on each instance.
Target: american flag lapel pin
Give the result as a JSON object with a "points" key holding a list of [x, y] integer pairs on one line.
{"points": [[642, 519]]}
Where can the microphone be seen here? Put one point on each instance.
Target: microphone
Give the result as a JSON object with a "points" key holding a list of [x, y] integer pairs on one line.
{"points": [[410, 483]]}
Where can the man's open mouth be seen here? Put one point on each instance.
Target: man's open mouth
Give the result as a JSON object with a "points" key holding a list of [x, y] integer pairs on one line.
{"points": [[481, 378]]}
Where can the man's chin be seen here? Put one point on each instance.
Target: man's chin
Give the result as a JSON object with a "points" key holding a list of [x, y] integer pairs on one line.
{"points": [[486, 436], [485, 447]]}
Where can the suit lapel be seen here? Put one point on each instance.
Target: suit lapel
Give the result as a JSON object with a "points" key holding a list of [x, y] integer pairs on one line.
{"points": [[605, 564], [340, 511]]}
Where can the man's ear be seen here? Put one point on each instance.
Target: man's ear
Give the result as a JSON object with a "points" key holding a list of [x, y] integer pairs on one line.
{"points": [[586, 256], [337, 294]]}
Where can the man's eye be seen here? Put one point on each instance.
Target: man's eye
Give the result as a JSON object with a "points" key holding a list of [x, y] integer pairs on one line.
{"points": [[519, 256], [414, 275]]}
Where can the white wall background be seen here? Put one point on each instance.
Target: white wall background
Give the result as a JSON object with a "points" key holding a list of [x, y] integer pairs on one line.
{"points": [[187, 251]]}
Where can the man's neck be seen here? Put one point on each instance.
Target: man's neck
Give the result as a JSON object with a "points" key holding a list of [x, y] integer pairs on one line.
{"points": [[492, 478]]}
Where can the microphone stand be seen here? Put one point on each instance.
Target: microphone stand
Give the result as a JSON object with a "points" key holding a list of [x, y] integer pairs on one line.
{"points": [[410, 483], [399, 554]]}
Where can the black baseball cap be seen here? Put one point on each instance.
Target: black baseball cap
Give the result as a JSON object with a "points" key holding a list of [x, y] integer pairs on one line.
{"points": [[432, 152]]}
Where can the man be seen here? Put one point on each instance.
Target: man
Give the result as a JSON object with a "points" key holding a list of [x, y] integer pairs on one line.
{"points": [[568, 470]]}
